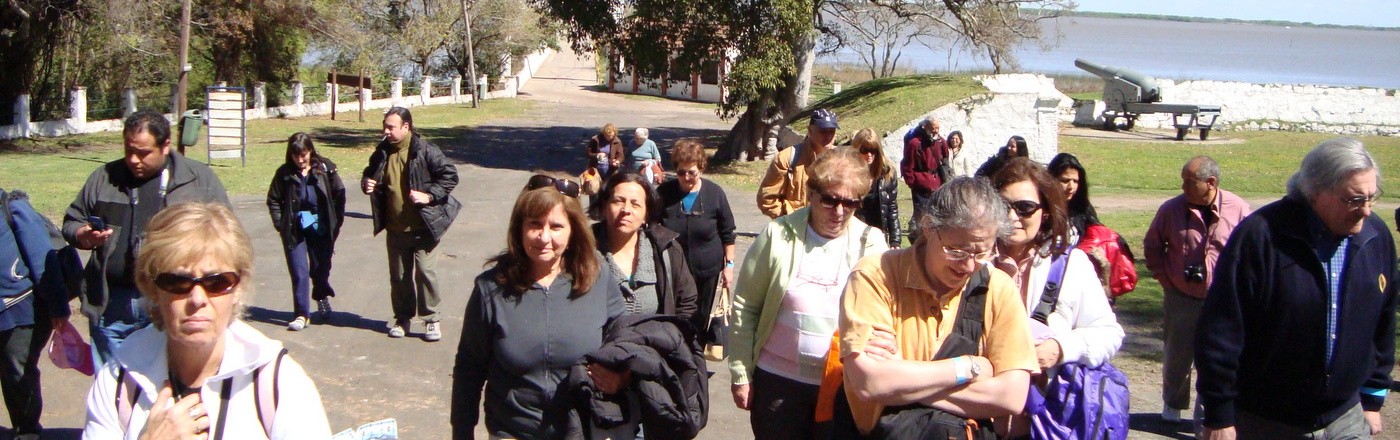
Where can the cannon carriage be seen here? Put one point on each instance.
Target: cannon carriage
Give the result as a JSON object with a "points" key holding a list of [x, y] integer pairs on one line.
{"points": [[1128, 95]]}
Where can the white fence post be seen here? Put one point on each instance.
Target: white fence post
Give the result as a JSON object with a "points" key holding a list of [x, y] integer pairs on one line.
{"points": [[260, 97], [298, 94], [22, 115], [425, 90], [396, 91], [77, 107], [483, 87], [456, 88], [128, 102], [331, 95]]}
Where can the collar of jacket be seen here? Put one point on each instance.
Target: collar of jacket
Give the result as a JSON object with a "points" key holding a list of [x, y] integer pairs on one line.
{"points": [[146, 359], [1301, 231]]}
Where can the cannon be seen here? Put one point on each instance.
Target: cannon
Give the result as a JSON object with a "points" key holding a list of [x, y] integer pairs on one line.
{"points": [[1128, 94]]}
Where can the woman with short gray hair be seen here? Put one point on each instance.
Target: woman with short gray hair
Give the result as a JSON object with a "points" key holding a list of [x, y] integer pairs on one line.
{"points": [[646, 158]]}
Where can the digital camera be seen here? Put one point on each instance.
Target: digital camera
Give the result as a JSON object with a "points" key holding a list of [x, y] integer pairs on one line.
{"points": [[1196, 273]]}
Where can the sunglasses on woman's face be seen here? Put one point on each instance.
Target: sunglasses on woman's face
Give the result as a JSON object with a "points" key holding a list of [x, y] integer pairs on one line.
{"points": [[213, 284], [830, 202], [564, 186], [1024, 208]]}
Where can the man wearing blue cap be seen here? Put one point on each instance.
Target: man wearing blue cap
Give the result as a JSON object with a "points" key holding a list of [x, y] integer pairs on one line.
{"points": [[784, 188]]}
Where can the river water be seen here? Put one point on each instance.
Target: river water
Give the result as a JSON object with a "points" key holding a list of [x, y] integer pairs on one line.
{"points": [[1185, 51]]}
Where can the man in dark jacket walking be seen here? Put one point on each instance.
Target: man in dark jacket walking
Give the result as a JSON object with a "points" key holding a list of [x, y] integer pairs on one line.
{"points": [[410, 183], [922, 154], [1297, 335], [124, 194]]}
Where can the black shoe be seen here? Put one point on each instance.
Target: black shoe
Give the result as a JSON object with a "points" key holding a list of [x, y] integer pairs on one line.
{"points": [[323, 309]]}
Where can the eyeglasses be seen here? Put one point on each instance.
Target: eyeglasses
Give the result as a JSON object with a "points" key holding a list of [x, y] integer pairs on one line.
{"points": [[830, 202], [565, 186], [1024, 208], [1359, 202], [687, 173], [869, 151], [213, 284], [959, 255]]}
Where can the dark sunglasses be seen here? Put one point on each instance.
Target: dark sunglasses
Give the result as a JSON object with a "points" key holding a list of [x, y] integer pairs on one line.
{"points": [[564, 186], [1024, 208], [213, 284], [830, 202]]}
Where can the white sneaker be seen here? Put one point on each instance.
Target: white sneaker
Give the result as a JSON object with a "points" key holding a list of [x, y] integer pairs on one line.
{"points": [[396, 330], [1171, 415], [433, 333], [298, 324]]}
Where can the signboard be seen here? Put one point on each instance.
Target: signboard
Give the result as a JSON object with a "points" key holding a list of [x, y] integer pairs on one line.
{"points": [[228, 122], [349, 80]]}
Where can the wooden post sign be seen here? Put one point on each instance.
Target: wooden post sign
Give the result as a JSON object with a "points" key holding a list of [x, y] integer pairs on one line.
{"points": [[358, 82], [228, 122]]}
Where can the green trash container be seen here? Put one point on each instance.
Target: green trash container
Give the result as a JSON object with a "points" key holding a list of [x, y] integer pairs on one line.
{"points": [[190, 122]]}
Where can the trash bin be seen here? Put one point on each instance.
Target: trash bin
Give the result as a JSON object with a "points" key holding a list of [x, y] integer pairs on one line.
{"points": [[190, 122]]}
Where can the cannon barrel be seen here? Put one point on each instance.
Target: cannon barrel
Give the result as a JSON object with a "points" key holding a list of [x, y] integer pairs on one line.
{"points": [[1148, 84]]}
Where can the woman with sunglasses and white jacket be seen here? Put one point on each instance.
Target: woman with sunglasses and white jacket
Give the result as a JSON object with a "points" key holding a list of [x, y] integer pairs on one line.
{"points": [[1082, 328], [199, 371], [789, 294]]}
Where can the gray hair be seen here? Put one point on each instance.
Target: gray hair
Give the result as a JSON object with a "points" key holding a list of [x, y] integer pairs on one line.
{"points": [[966, 203], [1328, 165], [642, 133], [1206, 167], [928, 121]]}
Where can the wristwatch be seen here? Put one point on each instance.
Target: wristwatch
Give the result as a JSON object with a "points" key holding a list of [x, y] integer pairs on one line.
{"points": [[975, 370], [728, 263]]}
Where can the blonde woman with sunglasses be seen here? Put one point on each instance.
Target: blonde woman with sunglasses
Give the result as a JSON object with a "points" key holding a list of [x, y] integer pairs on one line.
{"points": [[880, 206], [199, 371]]}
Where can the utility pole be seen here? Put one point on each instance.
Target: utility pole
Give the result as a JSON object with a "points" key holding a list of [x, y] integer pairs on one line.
{"points": [[184, 82], [471, 56]]}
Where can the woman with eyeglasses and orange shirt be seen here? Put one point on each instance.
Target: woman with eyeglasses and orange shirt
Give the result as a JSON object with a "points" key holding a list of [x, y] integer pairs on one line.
{"points": [[788, 295], [192, 373], [539, 307], [1082, 328], [880, 206], [698, 210]]}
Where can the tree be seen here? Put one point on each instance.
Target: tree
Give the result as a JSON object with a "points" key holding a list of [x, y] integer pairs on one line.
{"points": [[501, 29], [773, 43], [996, 27], [876, 34]]}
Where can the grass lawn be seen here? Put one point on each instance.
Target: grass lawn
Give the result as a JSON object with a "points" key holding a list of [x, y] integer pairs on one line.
{"points": [[52, 170]]}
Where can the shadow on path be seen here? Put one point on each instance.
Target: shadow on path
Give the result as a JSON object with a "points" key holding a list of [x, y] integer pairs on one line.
{"points": [[337, 319], [557, 148], [1153, 423]]}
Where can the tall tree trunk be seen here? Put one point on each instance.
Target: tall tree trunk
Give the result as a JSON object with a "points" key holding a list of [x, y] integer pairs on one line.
{"points": [[762, 119]]}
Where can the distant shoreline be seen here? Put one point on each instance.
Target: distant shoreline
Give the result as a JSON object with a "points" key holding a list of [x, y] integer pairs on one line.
{"points": [[1186, 19]]}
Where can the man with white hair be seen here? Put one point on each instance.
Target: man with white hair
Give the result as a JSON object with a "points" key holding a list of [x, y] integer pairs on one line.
{"points": [[1297, 335], [922, 153]]}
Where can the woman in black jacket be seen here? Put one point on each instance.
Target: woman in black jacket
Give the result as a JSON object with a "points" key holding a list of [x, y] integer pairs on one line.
{"points": [[697, 209], [307, 204], [1075, 180], [643, 257], [1015, 147], [879, 207]]}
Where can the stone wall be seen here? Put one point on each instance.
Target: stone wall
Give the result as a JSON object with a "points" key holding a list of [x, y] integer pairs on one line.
{"points": [[1247, 106], [1017, 104]]}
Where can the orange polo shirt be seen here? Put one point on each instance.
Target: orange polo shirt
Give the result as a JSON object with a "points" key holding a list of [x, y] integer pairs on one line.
{"points": [[890, 292]]}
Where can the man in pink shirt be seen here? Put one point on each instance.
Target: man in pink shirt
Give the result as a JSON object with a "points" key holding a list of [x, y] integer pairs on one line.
{"points": [[1181, 248]]}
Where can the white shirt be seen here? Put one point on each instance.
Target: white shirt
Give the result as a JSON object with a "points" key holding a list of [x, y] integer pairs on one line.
{"points": [[1083, 322]]}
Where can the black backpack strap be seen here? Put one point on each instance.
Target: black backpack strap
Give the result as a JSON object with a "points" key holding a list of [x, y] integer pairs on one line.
{"points": [[1051, 297], [966, 338]]}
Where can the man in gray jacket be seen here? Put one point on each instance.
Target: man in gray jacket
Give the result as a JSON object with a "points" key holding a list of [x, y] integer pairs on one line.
{"points": [[410, 183], [109, 217]]}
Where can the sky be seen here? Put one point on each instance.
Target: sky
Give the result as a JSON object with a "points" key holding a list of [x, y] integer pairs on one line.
{"points": [[1385, 13]]}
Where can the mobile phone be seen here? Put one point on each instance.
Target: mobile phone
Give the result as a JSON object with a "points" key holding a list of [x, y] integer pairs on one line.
{"points": [[96, 223]]}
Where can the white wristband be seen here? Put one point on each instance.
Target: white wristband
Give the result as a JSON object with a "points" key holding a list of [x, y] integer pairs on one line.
{"points": [[960, 368]]}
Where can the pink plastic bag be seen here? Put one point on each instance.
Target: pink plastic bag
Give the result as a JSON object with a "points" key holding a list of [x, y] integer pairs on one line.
{"points": [[67, 349]]}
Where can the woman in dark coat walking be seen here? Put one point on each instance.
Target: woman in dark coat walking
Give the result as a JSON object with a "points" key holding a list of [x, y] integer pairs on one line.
{"points": [[307, 204], [880, 206], [698, 210]]}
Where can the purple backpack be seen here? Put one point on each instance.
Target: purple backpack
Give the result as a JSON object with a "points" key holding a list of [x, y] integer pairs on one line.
{"points": [[1080, 402]]}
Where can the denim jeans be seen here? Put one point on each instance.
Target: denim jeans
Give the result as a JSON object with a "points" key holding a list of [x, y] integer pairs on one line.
{"points": [[125, 314]]}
